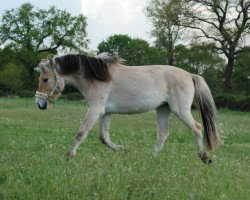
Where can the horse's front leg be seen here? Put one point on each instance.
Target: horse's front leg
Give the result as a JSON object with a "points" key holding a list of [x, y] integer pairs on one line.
{"points": [[91, 117]]}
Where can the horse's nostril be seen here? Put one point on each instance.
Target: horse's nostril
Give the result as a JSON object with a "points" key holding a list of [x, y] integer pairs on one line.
{"points": [[41, 103], [40, 107]]}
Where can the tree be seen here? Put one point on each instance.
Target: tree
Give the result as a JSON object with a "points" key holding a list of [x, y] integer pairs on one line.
{"points": [[225, 22], [198, 58], [32, 33], [11, 77], [139, 52], [165, 17], [241, 76], [115, 44], [133, 51], [213, 79], [201, 59]]}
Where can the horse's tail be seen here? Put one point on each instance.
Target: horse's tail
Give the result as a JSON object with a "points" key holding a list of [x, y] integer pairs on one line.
{"points": [[204, 101]]}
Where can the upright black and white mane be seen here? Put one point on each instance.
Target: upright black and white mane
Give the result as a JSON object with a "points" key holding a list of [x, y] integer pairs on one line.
{"points": [[92, 67]]}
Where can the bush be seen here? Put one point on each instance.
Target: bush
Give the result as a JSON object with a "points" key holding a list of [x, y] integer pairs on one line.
{"points": [[2, 94], [26, 93], [224, 100], [73, 96], [232, 102], [245, 104], [12, 77]]}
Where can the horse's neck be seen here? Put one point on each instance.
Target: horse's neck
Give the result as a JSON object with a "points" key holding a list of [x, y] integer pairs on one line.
{"points": [[69, 80], [74, 81]]}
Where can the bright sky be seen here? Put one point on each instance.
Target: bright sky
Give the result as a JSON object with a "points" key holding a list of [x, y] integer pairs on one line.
{"points": [[108, 17], [104, 17]]}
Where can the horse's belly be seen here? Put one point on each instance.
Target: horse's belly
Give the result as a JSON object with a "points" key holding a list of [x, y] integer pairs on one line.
{"points": [[133, 105]]}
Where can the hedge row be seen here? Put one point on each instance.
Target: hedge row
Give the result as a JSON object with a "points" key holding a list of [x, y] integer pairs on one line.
{"points": [[72, 96], [232, 102], [221, 100], [26, 93], [2, 94]]}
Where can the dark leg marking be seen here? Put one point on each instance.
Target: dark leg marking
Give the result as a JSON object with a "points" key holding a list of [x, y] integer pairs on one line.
{"points": [[79, 136], [205, 158]]}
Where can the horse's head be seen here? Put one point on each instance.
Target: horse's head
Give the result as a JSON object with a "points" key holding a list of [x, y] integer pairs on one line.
{"points": [[50, 83]]}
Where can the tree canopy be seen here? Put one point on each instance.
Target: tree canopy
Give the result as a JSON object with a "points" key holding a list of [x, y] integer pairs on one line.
{"points": [[165, 18], [40, 30], [134, 51], [241, 75], [226, 23], [30, 34]]}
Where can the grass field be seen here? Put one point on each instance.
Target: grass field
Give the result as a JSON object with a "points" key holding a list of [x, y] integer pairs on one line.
{"points": [[33, 144]]}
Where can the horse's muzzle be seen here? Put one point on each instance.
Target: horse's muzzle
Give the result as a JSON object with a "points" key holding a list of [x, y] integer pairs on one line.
{"points": [[41, 103]]}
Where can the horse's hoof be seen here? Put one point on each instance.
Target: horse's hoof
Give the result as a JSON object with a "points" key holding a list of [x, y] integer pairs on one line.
{"points": [[118, 147], [157, 149], [205, 158], [69, 155]]}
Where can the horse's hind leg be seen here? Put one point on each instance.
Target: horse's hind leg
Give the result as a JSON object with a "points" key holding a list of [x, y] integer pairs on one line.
{"points": [[186, 116], [104, 132], [162, 126]]}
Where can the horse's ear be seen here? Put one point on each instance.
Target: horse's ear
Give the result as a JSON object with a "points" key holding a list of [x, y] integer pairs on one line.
{"points": [[41, 68], [50, 62], [38, 69]]}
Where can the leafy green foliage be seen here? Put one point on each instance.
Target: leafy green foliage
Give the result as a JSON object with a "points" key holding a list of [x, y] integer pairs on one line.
{"points": [[11, 77], [26, 93], [201, 59], [2, 94], [198, 57], [214, 79], [73, 96], [140, 53], [232, 102], [165, 17], [41, 30], [226, 23], [29, 34], [133, 51], [241, 76], [115, 44]]}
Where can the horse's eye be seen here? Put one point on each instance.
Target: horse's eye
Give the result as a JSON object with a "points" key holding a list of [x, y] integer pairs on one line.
{"points": [[45, 80]]}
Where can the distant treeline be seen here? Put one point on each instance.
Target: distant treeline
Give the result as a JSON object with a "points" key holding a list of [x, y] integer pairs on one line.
{"points": [[29, 34]]}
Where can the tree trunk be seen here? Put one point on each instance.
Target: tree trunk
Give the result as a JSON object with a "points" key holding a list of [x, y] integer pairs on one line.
{"points": [[170, 59], [227, 87], [170, 56]]}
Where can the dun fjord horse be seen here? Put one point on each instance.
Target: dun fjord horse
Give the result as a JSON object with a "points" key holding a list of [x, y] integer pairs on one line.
{"points": [[110, 87]]}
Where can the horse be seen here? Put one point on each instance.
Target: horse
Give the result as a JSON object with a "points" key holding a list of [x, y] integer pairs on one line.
{"points": [[109, 86]]}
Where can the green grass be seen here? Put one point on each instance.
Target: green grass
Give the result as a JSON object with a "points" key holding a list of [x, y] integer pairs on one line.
{"points": [[33, 144]]}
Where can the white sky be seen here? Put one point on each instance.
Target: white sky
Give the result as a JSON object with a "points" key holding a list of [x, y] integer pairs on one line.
{"points": [[108, 17], [104, 17]]}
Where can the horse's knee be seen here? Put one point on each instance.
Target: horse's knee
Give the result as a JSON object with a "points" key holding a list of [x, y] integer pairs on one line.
{"points": [[79, 135], [198, 126]]}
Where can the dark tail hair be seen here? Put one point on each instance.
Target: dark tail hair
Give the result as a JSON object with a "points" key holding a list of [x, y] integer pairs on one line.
{"points": [[204, 101]]}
